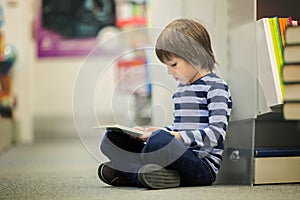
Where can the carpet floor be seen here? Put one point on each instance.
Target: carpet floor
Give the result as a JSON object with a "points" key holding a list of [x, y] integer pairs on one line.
{"points": [[63, 169]]}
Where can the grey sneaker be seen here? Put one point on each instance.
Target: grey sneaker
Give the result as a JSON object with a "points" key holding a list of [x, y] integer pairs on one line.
{"points": [[156, 177], [109, 175]]}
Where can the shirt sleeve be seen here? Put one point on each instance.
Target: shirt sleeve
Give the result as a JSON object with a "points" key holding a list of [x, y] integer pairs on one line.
{"points": [[219, 106]]}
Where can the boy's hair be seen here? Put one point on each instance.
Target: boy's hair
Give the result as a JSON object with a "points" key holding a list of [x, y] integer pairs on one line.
{"points": [[187, 39]]}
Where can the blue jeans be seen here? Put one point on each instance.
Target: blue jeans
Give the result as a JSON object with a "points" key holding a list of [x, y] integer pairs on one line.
{"points": [[129, 155]]}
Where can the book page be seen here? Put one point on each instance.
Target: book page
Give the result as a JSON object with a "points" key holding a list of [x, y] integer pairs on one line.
{"points": [[120, 128]]}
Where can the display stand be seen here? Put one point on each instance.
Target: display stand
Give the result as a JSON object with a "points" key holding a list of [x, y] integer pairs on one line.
{"points": [[254, 124]]}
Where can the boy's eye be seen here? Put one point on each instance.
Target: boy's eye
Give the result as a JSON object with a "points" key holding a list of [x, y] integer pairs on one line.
{"points": [[173, 65]]}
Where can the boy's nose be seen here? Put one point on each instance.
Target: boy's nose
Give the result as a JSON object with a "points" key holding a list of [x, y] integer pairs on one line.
{"points": [[170, 71]]}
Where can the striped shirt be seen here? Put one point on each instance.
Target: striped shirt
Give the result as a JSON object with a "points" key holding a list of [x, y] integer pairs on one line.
{"points": [[201, 115]]}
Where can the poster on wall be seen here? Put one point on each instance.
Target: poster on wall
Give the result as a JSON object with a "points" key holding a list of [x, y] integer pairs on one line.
{"points": [[70, 27]]}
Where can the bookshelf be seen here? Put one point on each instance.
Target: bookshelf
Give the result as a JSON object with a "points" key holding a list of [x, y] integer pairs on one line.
{"points": [[255, 124]]}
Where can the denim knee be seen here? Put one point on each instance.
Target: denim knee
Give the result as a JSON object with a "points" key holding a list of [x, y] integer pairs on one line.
{"points": [[158, 140], [104, 145]]}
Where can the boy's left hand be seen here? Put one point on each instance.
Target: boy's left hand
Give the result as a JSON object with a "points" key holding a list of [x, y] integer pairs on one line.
{"points": [[176, 135], [148, 132]]}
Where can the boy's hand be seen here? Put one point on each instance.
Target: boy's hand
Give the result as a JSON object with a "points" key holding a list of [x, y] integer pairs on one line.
{"points": [[145, 136], [152, 129], [148, 132], [176, 135], [139, 128]]}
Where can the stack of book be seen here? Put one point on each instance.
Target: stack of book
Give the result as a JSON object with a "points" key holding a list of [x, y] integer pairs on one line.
{"points": [[270, 41], [278, 53], [291, 73]]}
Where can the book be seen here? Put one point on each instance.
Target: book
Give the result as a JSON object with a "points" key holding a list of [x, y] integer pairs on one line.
{"points": [[277, 41], [291, 110], [291, 54], [292, 91], [276, 152], [278, 47], [291, 73], [292, 35], [122, 129], [268, 70], [283, 24]]}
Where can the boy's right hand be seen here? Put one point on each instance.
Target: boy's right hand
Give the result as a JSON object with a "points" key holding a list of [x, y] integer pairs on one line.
{"points": [[145, 136], [139, 128], [148, 132], [152, 129]]}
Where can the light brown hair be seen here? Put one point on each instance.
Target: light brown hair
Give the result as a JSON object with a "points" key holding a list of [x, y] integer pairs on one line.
{"points": [[187, 39]]}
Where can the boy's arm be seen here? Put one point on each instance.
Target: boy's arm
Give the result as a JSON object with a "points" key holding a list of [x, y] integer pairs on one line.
{"points": [[219, 108]]}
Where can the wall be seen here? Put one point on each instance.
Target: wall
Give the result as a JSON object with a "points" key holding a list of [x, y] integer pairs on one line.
{"points": [[163, 84], [52, 112], [45, 87], [213, 15]]}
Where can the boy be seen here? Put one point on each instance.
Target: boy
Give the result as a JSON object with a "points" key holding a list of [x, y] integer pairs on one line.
{"points": [[189, 152]]}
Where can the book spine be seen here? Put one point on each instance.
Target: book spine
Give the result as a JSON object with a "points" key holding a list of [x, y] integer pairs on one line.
{"points": [[276, 152], [290, 73]]}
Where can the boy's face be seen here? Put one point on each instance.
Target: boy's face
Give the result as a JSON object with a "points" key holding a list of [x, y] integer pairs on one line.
{"points": [[181, 70]]}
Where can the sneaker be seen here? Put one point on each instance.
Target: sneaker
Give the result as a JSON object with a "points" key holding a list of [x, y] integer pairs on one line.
{"points": [[156, 177], [109, 175]]}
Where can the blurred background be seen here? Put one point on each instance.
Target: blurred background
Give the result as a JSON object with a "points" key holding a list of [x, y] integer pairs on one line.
{"points": [[50, 42]]}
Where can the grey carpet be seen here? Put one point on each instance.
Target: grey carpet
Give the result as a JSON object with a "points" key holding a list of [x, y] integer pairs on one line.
{"points": [[63, 169]]}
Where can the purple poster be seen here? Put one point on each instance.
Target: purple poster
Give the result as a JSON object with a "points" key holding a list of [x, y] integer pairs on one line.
{"points": [[70, 27]]}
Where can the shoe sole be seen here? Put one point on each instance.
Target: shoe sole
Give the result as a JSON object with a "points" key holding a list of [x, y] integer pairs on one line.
{"points": [[156, 177]]}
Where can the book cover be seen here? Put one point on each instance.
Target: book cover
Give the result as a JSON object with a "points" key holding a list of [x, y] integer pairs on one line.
{"points": [[283, 24], [122, 129], [277, 31], [278, 48], [268, 72]]}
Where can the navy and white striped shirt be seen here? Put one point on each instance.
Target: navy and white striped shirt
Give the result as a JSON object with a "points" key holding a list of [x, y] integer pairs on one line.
{"points": [[201, 115]]}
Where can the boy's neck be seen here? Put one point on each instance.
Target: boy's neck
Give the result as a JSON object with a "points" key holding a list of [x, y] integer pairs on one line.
{"points": [[200, 74]]}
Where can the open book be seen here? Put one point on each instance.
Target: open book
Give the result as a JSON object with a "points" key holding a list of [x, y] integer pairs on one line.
{"points": [[123, 129]]}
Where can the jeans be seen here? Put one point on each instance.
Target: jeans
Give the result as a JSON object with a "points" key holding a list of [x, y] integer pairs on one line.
{"points": [[129, 155]]}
